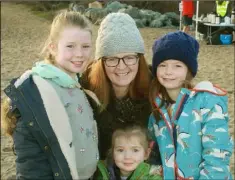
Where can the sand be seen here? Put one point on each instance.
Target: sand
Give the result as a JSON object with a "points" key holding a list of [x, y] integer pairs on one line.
{"points": [[23, 35]]}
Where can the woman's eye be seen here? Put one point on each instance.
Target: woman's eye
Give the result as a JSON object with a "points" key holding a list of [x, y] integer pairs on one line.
{"points": [[162, 65], [130, 57], [178, 65], [112, 59]]}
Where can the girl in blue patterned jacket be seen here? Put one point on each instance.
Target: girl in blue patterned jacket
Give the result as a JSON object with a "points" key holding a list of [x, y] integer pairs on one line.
{"points": [[190, 124]]}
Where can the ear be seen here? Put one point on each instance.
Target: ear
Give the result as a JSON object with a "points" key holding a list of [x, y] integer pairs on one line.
{"points": [[52, 48], [147, 153]]}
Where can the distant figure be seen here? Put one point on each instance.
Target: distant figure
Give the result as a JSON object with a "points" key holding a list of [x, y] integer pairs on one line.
{"points": [[222, 8], [95, 4], [188, 10]]}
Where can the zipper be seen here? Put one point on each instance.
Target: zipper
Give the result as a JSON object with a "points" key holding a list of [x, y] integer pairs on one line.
{"points": [[173, 131]]}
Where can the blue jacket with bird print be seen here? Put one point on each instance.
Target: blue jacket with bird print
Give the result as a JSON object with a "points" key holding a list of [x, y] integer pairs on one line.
{"points": [[194, 143]]}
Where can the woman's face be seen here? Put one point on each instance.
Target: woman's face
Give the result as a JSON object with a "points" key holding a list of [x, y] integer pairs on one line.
{"points": [[121, 72]]}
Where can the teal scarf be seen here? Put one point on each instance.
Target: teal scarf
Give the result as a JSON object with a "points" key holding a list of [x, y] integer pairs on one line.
{"points": [[49, 71]]}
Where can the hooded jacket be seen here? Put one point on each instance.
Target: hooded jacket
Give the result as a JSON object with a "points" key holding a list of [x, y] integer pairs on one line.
{"points": [[142, 172], [43, 134], [195, 142]]}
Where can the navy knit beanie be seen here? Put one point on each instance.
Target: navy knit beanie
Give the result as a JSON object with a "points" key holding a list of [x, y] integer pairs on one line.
{"points": [[178, 46]]}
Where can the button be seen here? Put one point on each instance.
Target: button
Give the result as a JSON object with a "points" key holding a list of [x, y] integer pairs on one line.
{"points": [[8, 90], [82, 150], [10, 107], [31, 124], [46, 148], [57, 174], [15, 99], [67, 104]]}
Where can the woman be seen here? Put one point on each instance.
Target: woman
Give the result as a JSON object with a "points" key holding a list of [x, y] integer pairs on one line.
{"points": [[120, 78]]}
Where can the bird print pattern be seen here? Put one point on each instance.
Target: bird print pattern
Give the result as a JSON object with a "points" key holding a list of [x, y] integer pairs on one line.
{"points": [[203, 145]]}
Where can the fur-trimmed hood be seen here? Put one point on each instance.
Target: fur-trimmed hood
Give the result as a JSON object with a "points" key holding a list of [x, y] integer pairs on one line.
{"points": [[62, 131]]}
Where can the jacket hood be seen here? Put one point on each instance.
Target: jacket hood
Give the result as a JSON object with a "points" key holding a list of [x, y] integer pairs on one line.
{"points": [[207, 86]]}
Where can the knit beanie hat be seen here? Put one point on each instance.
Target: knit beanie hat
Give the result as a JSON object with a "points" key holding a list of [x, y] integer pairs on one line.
{"points": [[178, 46], [118, 33]]}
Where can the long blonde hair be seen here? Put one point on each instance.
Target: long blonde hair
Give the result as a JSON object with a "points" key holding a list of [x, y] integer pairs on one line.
{"points": [[102, 87], [63, 19], [8, 122]]}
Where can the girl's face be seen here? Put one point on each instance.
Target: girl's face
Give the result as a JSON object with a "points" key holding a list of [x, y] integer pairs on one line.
{"points": [[128, 153], [122, 74], [171, 74], [73, 50]]}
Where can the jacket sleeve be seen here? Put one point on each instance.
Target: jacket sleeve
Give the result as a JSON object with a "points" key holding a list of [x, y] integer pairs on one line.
{"points": [[31, 161], [216, 141]]}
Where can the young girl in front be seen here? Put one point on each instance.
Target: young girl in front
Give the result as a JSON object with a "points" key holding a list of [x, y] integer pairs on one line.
{"points": [[130, 148], [190, 124], [47, 112]]}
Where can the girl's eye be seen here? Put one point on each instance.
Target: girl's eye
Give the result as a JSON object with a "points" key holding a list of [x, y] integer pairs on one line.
{"points": [[162, 65], [119, 150], [136, 150], [86, 46], [70, 46], [178, 65]]}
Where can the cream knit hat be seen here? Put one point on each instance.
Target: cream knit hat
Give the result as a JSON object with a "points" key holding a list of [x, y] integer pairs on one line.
{"points": [[118, 33]]}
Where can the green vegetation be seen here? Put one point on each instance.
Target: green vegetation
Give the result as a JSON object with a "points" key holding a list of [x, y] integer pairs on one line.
{"points": [[46, 9]]}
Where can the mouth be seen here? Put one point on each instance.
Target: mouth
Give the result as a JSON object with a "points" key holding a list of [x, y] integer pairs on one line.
{"points": [[77, 63], [128, 164], [168, 79], [122, 74]]}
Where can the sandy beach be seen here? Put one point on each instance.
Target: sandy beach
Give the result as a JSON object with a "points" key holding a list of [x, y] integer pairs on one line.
{"points": [[22, 38]]}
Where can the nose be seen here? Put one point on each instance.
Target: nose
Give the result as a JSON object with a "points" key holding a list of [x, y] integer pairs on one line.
{"points": [[127, 155], [78, 52], [168, 70], [121, 64]]}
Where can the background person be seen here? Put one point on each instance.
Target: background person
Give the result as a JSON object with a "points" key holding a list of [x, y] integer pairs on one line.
{"points": [[188, 11]]}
